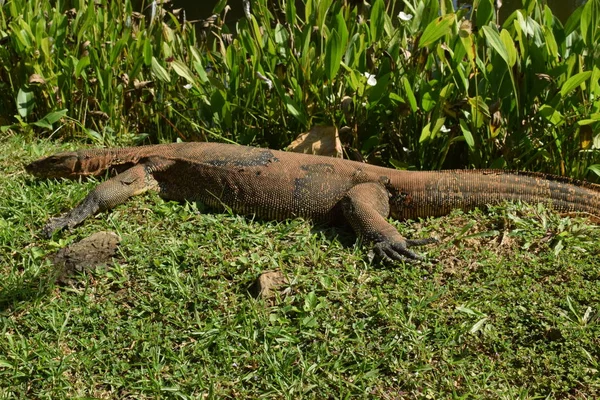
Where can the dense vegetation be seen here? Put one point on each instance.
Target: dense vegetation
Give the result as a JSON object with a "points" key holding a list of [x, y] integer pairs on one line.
{"points": [[421, 85]]}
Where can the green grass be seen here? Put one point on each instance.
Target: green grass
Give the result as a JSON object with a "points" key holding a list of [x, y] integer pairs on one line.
{"points": [[173, 317]]}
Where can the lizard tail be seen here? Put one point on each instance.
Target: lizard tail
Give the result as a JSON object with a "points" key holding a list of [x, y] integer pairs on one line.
{"points": [[437, 193]]}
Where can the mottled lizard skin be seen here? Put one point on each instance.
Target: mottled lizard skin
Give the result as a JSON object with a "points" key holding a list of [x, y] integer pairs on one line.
{"points": [[278, 185]]}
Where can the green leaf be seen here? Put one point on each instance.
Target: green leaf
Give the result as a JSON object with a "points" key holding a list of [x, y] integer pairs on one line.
{"points": [[550, 42], [485, 12], [25, 101], [425, 133], [198, 65], [590, 18], [81, 64], [427, 102], [340, 27], [509, 45], [333, 55], [409, 94], [582, 122], [437, 127], [436, 29], [377, 20], [290, 12], [294, 109], [551, 115], [467, 134], [50, 119], [147, 52], [182, 70], [574, 21], [159, 71], [574, 82], [494, 40], [281, 35], [219, 6], [595, 168]]}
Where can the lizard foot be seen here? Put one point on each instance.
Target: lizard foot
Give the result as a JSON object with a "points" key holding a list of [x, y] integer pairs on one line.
{"points": [[400, 250], [55, 224]]}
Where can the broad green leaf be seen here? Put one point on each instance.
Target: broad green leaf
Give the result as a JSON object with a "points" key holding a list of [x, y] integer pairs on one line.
{"points": [[467, 133], [159, 71], [550, 42], [425, 133], [509, 45], [436, 29], [427, 102], [485, 12], [590, 18], [309, 11], [294, 109], [551, 115], [333, 55], [377, 20], [147, 52], [25, 102], [281, 34], [258, 36], [437, 127], [582, 122], [50, 119], [595, 168], [574, 81], [182, 70], [574, 21], [290, 12], [198, 65], [494, 40], [219, 6], [409, 94], [81, 64], [94, 135], [322, 9], [595, 82], [340, 27]]}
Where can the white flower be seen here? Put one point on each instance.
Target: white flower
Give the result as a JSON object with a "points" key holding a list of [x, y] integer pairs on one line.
{"points": [[444, 129], [404, 16], [371, 81], [188, 86]]}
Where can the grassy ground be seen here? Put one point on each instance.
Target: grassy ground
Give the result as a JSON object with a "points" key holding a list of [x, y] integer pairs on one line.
{"points": [[501, 315]]}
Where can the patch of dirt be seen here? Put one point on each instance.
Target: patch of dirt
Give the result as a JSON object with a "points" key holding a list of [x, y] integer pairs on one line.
{"points": [[86, 255], [267, 284]]}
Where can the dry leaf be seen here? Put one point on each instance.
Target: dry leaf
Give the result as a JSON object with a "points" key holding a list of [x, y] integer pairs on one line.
{"points": [[321, 140]]}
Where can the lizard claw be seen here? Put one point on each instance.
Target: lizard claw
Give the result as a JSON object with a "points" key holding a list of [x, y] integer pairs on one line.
{"points": [[399, 250], [53, 225]]}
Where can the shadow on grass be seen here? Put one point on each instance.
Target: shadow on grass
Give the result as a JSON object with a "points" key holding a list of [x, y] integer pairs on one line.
{"points": [[27, 289]]}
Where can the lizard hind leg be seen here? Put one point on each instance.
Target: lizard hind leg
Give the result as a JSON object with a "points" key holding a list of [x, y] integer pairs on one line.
{"points": [[366, 207]]}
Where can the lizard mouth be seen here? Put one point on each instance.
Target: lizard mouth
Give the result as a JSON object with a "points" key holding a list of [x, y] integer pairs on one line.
{"points": [[56, 166]]}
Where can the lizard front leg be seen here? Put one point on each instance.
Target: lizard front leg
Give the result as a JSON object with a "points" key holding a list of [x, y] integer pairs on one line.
{"points": [[366, 207], [105, 196]]}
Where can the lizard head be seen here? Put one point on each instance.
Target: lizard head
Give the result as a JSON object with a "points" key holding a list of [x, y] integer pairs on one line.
{"points": [[60, 165]]}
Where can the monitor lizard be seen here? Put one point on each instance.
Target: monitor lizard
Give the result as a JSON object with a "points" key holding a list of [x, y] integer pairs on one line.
{"points": [[279, 185]]}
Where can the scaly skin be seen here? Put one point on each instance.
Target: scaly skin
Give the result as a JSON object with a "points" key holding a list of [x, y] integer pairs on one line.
{"points": [[278, 185]]}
